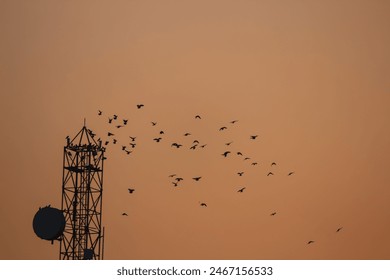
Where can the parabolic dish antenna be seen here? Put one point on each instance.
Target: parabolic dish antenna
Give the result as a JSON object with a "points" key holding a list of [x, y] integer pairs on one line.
{"points": [[49, 223]]}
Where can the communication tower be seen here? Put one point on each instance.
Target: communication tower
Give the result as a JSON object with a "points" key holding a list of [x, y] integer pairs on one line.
{"points": [[82, 192]]}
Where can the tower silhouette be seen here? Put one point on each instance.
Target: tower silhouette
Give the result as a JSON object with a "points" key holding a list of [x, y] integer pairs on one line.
{"points": [[82, 192]]}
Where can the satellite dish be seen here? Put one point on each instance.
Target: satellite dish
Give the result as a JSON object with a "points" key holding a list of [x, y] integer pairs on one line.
{"points": [[49, 223]]}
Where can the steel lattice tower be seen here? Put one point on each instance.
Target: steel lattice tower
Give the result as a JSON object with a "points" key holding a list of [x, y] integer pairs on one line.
{"points": [[82, 191]]}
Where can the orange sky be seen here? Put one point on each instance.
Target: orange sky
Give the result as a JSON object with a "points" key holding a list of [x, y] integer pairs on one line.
{"points": [[311, 79]]}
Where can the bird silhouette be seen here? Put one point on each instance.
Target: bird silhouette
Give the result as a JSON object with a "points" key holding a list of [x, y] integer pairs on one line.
{"points": [[193, 147], [132, 138], [241, 190], [233, 122], [291, 173], [128, 152], [139, 106], [157, 139], [273, 214], [196, 178], [226, 153], [110, 134], [239, 153], [174, 184], [100, 112], [240, 173], [106, 143], [247, 158], [133, 145], [125, 122], [153, 123], [187, 134], [227, 144], [109, 120], [253, 136], [197, 117], [114, 141], [161, 132], [339, 229], [254, 163], [274, 163], [131, 190], [123, 148], [124, 214], [179, 179], [172, 175], [203, 146], [310, 242], [176, 145], [203, 204], [270, 173], [195, 142], [119, 126], [223, 128], [115, 117]]}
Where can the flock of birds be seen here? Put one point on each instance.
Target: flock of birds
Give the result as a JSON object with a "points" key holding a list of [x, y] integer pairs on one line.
{"points": [[176, 180]]}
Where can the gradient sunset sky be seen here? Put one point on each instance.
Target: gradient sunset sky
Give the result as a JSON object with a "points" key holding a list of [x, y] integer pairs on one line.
{"points": [[311, 78]]}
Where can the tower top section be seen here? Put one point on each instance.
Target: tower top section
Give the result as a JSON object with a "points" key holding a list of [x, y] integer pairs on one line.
{"points": [[84, 139]]}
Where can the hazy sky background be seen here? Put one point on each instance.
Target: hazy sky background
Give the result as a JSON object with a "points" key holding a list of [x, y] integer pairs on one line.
{"points": [[311, 78]]}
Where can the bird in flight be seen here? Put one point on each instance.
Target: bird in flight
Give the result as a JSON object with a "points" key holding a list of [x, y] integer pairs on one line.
{"points": [[226, 153], [193, 147], [100, 113], [161, 132], [239, 153], [123, 148], [174, 184], [270, 173], [203, 146], [274, 163], [115, 117], [227, 144], [124, 214], [247, 158], [128, 152], [176, 145], [187, 134], [114, 141], [233, 122], [125, 122], [131, 190], [139, 106], [110, 134], [196, 178], [153, 123], [223, 128], [109, 120], [119, 126], [253, 137], [254, 163], [195, 142], [273, 214], [172, 175], [241, 190], [197, 117], [203, 204], [339, 229], [240, 173], [133, 145], [291, 173], [132, 138], [179, 179], [310, 242], [157, 139]]}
